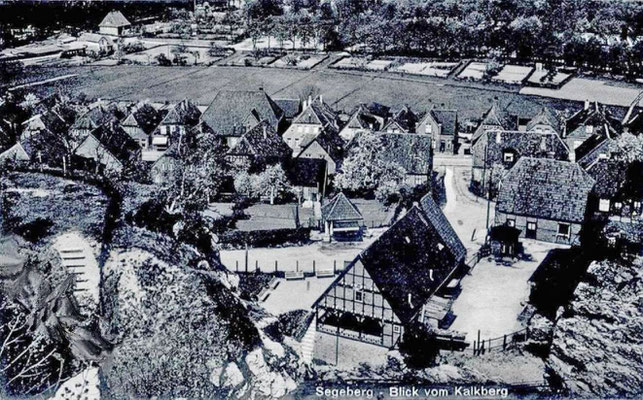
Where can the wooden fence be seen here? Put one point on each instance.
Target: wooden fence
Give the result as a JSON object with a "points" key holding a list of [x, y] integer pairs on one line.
{"points": [[500, 343], [307, 268]]}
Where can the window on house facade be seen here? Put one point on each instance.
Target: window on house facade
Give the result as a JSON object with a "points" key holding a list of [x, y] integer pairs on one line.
{"points": [[563, 230], [396, 328], [508, 157], [611, 241], [359, 296], [618, 205], [511, 222], [604, 205], [589, 129], [531, 226], [637, 205]]}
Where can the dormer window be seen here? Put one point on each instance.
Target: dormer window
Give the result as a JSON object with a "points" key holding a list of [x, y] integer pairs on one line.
{"points": [[589, 129], [508, 157], [604, 205]]}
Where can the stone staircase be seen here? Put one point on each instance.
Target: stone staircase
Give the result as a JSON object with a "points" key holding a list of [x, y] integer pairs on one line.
{"points": [[308, 342], [75, 261], [77, 257]]}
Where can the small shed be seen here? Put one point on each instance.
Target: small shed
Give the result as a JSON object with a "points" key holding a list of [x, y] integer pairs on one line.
{"points": [[504, 240], [341, 219]]}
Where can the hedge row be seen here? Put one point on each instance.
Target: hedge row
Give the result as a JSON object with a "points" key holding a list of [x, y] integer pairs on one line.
{"points": [[264, 238]]}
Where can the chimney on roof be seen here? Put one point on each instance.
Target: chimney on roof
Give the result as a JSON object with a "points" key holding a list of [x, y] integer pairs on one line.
{"points": [[321, 98], [265, 133], [498, 137], [586, 106], [310, 100], [410, 299]]}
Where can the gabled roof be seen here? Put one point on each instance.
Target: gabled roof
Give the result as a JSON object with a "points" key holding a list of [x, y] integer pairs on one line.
{"points": [[594, 115], [544, 117], [523, 144], [144, 117], [309, 172], [318, 113], [183, 113], [114, 19], [545, 188], [94, 117], [442, 226], [411, 151], [447, 118], [494, 118], [116, 141], [610, 177], [14, 153], [408, 264], [340, 208], [592, 149], [93, 38], [229, 112], [329, 140], [405, 119], [261, 141], [290, 107]]}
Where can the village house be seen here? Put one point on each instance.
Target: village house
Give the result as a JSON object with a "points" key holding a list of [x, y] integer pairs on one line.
{"points": [[341, 219], [389, 286], [591, 121], [594, 149], [402, 121], [98, 114], [326, 146], [163, 169], [141, 122], [309, 179], [43, 136], [109, 148], [411, 151], [367, 117], [496, 152], [114, 24], [442, 126], [231, 113], [258, 147], [13, 155], [618, 191], [545, 199], [174, 125], [316, 118], [95, 43], [545, 122], [290, 107], [493, 120]]}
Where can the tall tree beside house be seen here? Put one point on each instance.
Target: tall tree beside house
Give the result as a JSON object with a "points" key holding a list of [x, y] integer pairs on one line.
{"points": [[364, 170], [196, 175]]}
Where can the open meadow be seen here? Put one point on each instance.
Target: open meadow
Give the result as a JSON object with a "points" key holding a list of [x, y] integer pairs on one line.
{"points": [[343, 90]]}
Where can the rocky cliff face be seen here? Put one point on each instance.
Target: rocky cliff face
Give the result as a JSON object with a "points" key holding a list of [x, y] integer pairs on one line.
{"points": [[597, 346]]}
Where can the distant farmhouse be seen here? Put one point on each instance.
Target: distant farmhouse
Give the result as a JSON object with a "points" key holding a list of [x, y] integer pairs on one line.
{"points": [[114, 24], [545, 199]]}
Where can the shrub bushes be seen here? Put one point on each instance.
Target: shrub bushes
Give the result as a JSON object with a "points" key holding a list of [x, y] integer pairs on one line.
{"points": [[265, 238]]}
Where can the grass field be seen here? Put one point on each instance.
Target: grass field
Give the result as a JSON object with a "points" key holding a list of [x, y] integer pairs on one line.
{"points": [[344, 90]]}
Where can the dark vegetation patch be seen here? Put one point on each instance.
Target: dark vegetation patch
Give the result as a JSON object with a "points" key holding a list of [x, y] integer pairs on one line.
{"points": [[250, 285], [292, 323]]}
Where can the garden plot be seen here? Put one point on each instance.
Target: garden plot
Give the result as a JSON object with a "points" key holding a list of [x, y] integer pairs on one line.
{"points": [[581, 89], [540, 78], [248, 60], [513, 74], [475, 71], [379, 65], [350, 63], [192, 55], [439, 69], [299, 61]]}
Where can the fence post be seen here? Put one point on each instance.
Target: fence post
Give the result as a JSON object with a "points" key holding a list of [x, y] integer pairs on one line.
{"points": [[479, 341], [236, 262], [504, 342], [297, 266], [256, 265], [474, 348], [275, 266], [313, 267], [334, 267]]}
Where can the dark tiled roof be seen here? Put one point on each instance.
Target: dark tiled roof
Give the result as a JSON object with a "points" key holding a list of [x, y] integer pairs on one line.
{"points": [[116, 141], [145, 117], [448, 119], [405, 119], [594, 115], [340, 208], [610, 177], [183, 113], [443, 227], [115, 19], [592, 149], [545, 188], [290, 107], [522, 144], [309, 172], [230, 111], [319, 113], [493, 119], [261, 141], [401, 260], [545, 117], [410, 150], [329, 140]]}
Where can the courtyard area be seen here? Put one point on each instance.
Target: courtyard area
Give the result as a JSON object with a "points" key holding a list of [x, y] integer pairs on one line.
{"points": [[493, 295]]}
